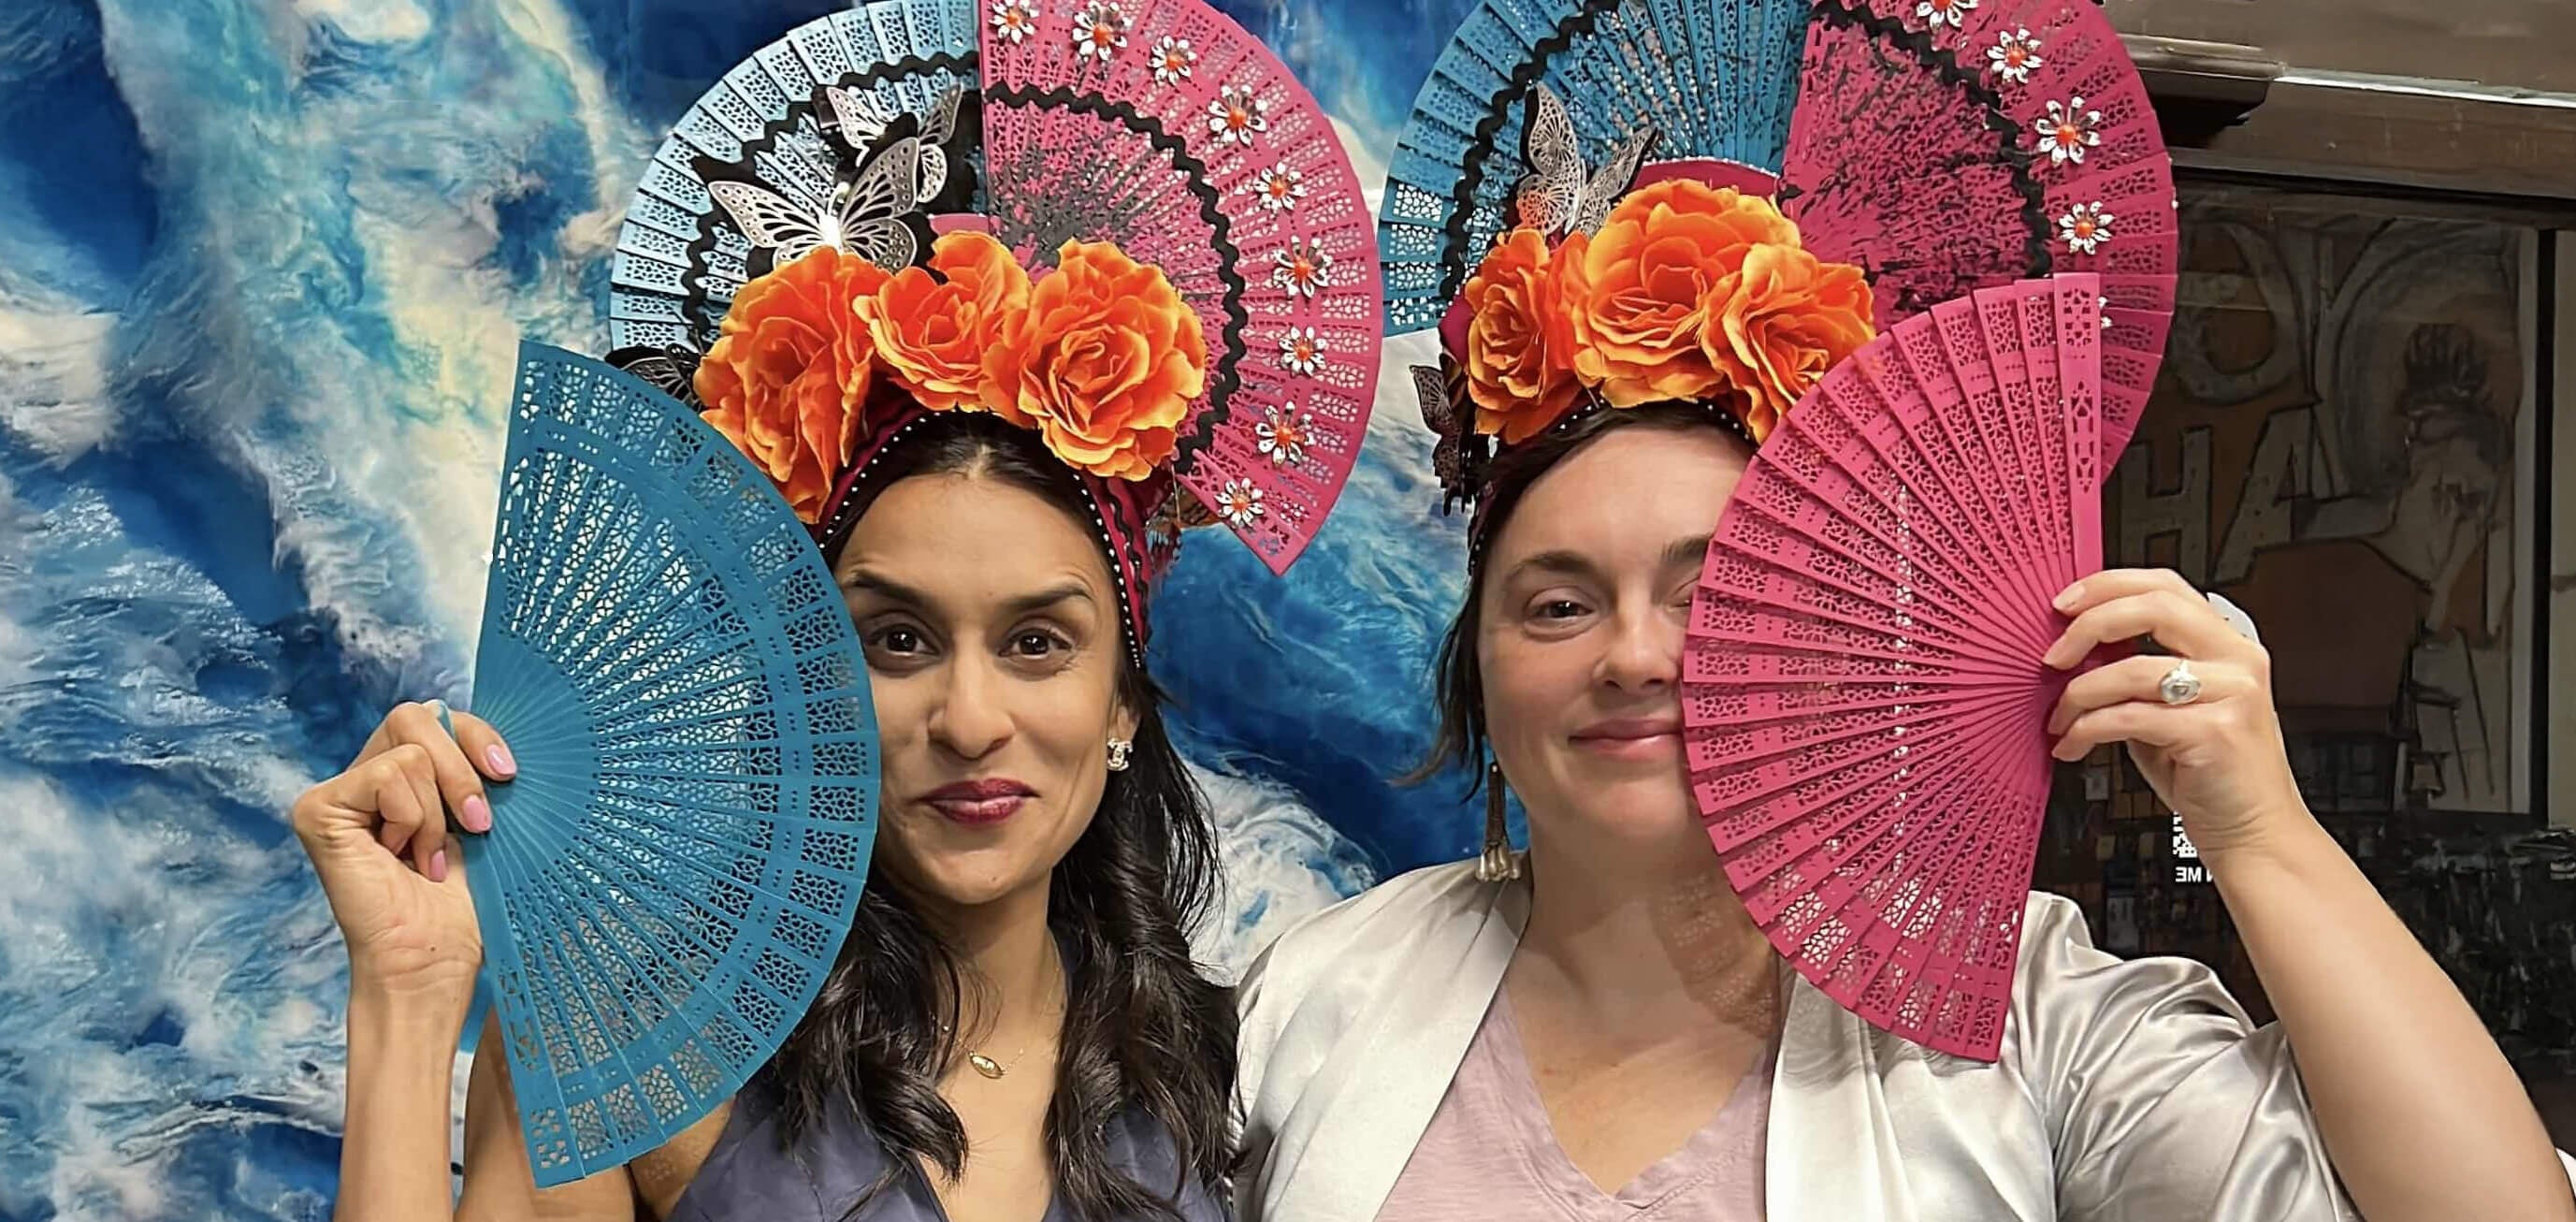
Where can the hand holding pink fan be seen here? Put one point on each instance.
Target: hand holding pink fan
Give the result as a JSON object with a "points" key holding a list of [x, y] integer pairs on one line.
{"points": [[1866, 685]]}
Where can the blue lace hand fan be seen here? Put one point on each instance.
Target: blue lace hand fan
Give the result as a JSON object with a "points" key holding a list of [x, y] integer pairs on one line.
{"points": [[671, 875]]}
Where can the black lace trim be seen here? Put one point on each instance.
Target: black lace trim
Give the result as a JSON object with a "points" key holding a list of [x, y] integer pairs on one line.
{"points": [[1990, 107], [1226, 381], [1462, 194]]}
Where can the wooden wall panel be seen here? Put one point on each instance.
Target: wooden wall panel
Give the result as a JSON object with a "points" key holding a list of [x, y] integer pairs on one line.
{"points": [[2529, 44]]}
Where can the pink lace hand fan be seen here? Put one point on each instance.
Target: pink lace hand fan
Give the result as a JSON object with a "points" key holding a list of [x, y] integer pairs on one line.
{"points": [[1863, 687], [2013, 138]]}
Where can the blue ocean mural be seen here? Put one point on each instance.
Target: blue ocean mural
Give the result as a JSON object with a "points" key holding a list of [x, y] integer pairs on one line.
{"points": [[263, 265]]}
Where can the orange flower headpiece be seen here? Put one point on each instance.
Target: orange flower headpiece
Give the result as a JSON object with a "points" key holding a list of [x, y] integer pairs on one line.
{"points": [[851, 240], [1101, 357], [1686, 293]]}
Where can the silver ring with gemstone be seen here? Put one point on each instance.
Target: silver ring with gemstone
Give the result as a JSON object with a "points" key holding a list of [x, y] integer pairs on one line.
{"points": [[2179, 685]]}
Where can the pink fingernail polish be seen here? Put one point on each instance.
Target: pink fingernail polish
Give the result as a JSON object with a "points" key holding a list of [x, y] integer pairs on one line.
{"points": [[438, 866], [498, 757], [478, 815]]}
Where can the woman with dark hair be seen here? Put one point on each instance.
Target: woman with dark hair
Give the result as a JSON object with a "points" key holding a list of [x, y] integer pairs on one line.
{"points": [[996, 441], [1602, 1029]]}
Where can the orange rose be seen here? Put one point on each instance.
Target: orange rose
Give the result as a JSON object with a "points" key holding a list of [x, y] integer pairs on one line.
{"points": [[1520, 337], [1782, 321], [1104, 361], [1644, 288], [790, 370], [931, 326]]}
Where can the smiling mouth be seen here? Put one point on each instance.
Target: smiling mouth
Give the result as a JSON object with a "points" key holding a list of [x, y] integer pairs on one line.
{"points": [[1630, 731], [1635, 739], [979, 803]]}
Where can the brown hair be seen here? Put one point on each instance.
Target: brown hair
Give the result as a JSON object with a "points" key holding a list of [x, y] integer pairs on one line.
{"points": [[1459, 678]]}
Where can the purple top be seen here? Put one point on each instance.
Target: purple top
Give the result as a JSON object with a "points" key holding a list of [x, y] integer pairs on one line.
{"points": [[748, 1176], [1490, 1154]]}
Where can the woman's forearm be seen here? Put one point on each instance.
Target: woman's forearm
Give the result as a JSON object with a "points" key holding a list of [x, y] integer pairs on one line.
{"points": [[2423, 1117], [394, 1151]]}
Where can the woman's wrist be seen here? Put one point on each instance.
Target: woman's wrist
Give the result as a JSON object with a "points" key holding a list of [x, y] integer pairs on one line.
{"points": [[2284, 835], [394, 1155], [392, 1015], [2285, 855]]}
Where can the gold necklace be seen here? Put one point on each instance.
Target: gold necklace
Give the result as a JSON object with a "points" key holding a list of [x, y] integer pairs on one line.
{"points": [[991, 1069]]}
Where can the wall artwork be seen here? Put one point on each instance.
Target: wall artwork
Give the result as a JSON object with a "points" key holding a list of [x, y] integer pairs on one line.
{"points": [[2335, 451]]}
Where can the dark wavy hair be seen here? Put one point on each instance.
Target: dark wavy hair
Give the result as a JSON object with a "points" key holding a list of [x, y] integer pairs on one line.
{"points": [[1460, 679], [1143, 1029]]}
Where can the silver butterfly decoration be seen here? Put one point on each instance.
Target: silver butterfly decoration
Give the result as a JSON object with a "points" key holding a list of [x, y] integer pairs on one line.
{"points": [[671, 370], [872, 210], [862, 120], [904, 164], [1556, 197]]}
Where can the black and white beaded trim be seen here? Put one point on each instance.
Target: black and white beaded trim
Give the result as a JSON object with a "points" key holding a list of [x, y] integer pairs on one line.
{"points": [[1592, 404], [1130, 607], [1130, 613]]}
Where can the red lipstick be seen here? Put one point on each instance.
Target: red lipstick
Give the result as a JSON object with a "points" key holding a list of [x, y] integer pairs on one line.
{"points": [[979, 803]]}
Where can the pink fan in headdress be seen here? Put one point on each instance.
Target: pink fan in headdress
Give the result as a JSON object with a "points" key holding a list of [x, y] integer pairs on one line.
{"points": [[1156, 125], [1951, 145], [1940, 145], [1166, 128]]}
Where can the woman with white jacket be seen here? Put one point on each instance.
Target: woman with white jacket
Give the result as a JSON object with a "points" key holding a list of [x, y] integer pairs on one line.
{"points": [[1603, 1031]]}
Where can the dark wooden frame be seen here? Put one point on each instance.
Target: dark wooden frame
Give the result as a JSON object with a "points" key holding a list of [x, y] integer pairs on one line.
{"points": [[2504, 152]]}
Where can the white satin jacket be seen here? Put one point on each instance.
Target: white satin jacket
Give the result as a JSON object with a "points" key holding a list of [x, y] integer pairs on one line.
{"points": [[2127, 1091]]}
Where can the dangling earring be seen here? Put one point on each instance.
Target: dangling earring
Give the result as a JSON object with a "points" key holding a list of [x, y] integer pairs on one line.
{"points": [[1118, 749], [1499, 863]]}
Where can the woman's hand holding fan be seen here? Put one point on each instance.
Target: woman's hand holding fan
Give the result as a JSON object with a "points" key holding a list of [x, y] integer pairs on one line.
{"points": [[378, 834], [2211, 746]]}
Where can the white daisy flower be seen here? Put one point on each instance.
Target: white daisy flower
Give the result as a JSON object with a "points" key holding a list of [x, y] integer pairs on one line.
{"points": [[1302, 267], [1938, 13], [2013, 56], [2067, 130], [1014, 21], [1173, 60], [1239, 504], [1301, 351], [1236, 116], [1278, 188], [1284, 435], [1100, 30], [2084, 228]]}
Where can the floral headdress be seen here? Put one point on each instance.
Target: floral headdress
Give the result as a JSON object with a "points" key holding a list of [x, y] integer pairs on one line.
{"points": [[1100, 356], [1771, 181], [1119, 224], [1682, 291]]}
